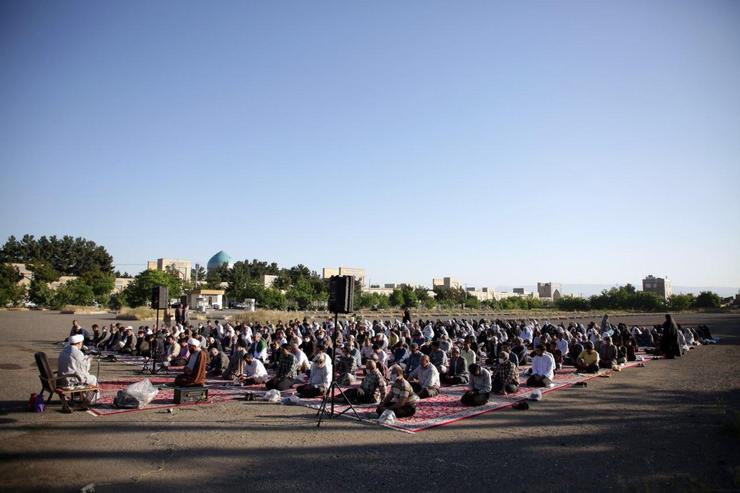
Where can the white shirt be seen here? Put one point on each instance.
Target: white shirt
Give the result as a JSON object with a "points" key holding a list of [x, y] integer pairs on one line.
{"points": [[428, 332], [320, 375], [254, 369], [544, 365], [428, 377], [563, 346], [300, 358]]}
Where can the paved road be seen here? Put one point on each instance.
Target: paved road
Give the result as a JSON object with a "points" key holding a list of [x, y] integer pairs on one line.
{"points": [[659, 428]]}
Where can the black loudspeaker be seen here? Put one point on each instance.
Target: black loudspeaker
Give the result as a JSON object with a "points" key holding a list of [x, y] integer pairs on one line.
{"points": [[160, 297], [341, 294], [183, 300]]}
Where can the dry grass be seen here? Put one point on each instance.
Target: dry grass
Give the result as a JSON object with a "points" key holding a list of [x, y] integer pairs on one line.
{"points": [[269, 316], [79, 310], [139, 313]]}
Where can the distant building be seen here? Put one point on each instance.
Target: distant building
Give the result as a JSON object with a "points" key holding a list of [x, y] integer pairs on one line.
{"points": [[446, 282], [219, 260], [26, 274], [359, 274], [549, 290], [267, 280], [659, 286], [378, 290], [121, 283], [200, 299], [182, 267]]}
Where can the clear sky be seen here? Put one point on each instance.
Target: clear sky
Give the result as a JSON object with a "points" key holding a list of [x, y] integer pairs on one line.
{"points": [[501, 143]]}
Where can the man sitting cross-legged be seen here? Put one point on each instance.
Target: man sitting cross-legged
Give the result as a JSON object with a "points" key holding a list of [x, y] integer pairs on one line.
{"points": [[194, 373], [426, 379], [543, 368], [480, 386], [254, 370], [505, 378], [588, 359], [320, 378], [457, 370], [372, 389], [401, 399], [286, 371]]}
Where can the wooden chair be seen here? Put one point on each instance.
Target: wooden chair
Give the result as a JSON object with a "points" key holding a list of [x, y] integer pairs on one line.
{"points": [[49, 383]]}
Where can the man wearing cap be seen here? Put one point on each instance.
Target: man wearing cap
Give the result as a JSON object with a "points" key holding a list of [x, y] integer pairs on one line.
{"points": [[194, 373], [74, 365]]}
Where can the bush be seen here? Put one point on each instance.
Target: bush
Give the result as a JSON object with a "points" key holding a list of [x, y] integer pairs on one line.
{"points": [[572, 304], [75, 292], [708, 299], [11, 293], [680, 302]]}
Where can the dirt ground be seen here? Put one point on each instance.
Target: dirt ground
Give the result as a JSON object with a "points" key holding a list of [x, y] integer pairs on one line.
{"points": [[670, 426]]}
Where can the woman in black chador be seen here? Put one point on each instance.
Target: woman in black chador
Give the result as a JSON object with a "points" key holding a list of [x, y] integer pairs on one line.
{"points": [[669, 345]]}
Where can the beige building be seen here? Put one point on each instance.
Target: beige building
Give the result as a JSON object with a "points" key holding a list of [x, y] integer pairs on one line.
{"points": [[659, 286], [446, 282], [267, 281], [202, 299], [181, 266], [549, 290], [121, 283], [358, 273], [24, 271]]}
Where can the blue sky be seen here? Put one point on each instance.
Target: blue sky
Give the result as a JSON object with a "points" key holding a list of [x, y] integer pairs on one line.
{"points": [[501, 143]]}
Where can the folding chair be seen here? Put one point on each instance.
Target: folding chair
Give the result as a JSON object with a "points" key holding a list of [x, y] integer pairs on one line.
{"points": [[49, 383]]}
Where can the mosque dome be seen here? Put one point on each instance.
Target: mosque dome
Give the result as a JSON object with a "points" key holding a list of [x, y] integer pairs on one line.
{"points": [[218, 260]]}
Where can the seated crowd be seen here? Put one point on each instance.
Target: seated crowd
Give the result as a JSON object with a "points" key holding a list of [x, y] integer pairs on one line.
{"points": [[402, 362]]}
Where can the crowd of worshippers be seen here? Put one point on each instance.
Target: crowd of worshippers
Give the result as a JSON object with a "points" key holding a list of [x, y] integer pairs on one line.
{"points": [[399, 362]]}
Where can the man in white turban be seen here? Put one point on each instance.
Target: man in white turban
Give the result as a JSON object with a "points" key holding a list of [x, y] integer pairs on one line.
{"points": [[74, 365], [194, 373]]}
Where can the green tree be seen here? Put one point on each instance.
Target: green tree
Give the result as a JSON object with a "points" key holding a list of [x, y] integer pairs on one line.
{"points": [[101, 283], [198, 274], [708, 299], [680, 302], [396, 298], [139, 291], [43, 271], [67, 255], [11, 293], [301, 293], [74, 292], [40, 293], [572, 304]]}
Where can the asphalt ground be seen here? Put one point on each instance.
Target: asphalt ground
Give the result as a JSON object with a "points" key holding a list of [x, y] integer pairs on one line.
{"points": [[671, 426]]}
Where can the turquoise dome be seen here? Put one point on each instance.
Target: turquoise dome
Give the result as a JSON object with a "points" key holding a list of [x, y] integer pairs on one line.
{"points": [[218, 260]]}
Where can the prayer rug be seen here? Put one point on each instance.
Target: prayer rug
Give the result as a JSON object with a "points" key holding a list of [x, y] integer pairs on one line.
{"points": [[446, 407], [218, 391]]}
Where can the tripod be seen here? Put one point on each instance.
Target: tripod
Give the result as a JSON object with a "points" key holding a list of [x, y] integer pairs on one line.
{"points": [[329, 396]]}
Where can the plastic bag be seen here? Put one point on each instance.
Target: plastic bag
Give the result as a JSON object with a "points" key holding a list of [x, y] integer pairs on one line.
{"points": [[272, 395], [292, 400], [536, 395], [388, 417], [143, 391]]}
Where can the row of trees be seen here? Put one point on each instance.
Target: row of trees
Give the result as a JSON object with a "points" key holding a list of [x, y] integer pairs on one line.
{"points": [[50, 258], [628, 298], [66, 256]]}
